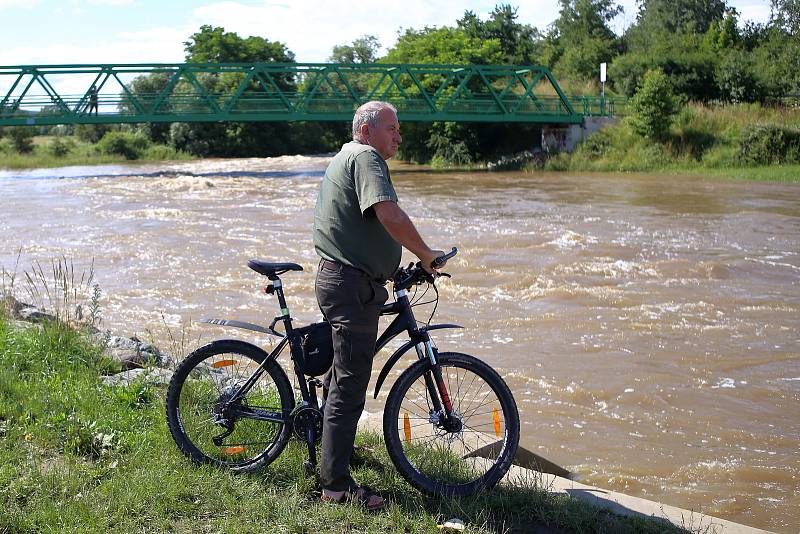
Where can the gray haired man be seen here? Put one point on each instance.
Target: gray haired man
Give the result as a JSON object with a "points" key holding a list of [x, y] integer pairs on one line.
{"points": [[359, 232]]}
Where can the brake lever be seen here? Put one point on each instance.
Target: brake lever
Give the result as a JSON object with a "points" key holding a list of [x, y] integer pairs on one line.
{"points": [[444, 274]]}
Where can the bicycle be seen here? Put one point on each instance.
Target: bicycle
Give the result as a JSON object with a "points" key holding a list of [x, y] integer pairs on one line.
{"points": [[450, 422]]}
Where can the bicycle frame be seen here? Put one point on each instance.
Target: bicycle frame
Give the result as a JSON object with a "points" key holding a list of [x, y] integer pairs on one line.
{"points": [[419, 338]]}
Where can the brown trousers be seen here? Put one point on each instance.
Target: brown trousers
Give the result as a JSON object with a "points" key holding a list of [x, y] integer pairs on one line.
{"points": [[351, 302]]}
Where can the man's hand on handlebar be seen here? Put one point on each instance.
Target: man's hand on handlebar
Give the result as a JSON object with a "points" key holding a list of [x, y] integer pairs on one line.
{"points": [[426, 260]]}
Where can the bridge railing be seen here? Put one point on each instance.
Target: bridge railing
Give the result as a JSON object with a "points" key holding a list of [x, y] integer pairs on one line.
{"points": [[295, 91]]}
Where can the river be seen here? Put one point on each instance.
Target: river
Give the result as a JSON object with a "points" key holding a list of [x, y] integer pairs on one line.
{"points": [[649, 326]]}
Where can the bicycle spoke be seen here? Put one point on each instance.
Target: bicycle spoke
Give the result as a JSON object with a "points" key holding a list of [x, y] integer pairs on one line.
{"points": [[438, 448]]}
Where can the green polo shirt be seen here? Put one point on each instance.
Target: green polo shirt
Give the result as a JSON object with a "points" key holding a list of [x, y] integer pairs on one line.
{"points": [[346, 228]]}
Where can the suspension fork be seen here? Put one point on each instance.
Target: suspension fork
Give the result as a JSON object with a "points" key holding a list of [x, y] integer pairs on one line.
{"points": [[434, 381]]}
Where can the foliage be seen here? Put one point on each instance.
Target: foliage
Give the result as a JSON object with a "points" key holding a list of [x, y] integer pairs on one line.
{"points": [[786, 15], [737, 80], [769, 145], [21, 139], [446, 45], [581, 39], [723, 34], [215, 45], [519, 43], [653, 106], [670, 17], [59, 148], [126, 144], [689, 67], [91, 133], [146, 89], [718, 140], [362, 50]]}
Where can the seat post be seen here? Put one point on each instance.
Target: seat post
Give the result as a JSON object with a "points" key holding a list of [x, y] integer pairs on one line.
{"points": [[285, 315]]}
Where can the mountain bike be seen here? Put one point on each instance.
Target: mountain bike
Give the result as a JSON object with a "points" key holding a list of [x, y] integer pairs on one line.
{"points": [[450, 422]]}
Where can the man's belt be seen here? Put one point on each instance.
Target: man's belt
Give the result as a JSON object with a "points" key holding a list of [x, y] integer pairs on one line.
{"points": [[341, 267]]}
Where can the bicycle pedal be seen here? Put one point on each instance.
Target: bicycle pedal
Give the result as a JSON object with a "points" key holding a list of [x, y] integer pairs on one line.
{"points": [[311, 468]]}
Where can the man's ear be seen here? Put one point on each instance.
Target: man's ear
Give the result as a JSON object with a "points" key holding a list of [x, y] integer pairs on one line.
{"points": [[364, 132]]}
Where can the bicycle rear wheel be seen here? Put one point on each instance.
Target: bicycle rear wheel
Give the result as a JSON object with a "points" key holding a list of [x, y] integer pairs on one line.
{"points": [[208, 429], [452, 458]]}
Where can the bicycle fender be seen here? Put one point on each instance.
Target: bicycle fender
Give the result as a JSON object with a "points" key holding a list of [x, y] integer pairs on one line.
{"points": [[240, 324], [402, 350]]}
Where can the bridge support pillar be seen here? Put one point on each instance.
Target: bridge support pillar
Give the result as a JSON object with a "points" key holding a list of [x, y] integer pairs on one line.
{"points": [[560, 138]]}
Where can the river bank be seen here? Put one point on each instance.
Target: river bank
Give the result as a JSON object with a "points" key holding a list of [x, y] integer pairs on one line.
{"points": [[743, 141], [85, 453], [49, 151]]}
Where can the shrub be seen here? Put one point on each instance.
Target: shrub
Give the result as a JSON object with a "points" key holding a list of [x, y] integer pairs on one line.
{"points": [[126, 144], [21, 139], [653, 107], [186, 138], [737, 80], [768, 145], [59, 148], [91, 133], [160, 152]]}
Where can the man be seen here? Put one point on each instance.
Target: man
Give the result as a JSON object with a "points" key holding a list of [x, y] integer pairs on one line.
{"points": [[93, 100], [359, 231]]}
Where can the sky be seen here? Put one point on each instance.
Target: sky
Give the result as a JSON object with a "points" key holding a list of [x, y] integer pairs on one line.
{"points": [[38, 32]]}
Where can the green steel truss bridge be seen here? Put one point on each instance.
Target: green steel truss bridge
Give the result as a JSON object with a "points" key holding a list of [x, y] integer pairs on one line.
{"points": [[203, 92]]}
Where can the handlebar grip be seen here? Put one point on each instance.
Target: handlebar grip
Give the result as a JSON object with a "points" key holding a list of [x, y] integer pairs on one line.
{"points": [[438, 262]]}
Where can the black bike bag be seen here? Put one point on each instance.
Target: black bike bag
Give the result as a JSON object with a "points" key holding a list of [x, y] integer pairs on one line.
{"points": [[317, 345]]}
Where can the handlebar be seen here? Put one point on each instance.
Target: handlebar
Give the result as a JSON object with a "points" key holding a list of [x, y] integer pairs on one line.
{"points": [[416, 274], [438, 262]]}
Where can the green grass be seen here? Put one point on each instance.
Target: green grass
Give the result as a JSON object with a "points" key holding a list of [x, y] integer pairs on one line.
{"points": [[703, 140], [79, 153], [77, 456]]}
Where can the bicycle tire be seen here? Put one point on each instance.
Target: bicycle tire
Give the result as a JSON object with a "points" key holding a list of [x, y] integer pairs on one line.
{"points": [[437, 461], [199, 384]]}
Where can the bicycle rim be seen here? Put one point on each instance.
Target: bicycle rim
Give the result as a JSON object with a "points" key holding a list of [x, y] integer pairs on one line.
{"points": [[452, 461], [213, 378]]}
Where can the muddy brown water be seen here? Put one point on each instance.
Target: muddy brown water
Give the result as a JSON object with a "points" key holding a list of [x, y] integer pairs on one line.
{"points": [[648, 326]]}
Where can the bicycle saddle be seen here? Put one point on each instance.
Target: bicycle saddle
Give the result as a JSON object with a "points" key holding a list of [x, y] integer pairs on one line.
{"points": [[271, 269]]}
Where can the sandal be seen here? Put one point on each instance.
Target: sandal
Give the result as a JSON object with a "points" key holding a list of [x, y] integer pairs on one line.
{"points": [[363, 496]]}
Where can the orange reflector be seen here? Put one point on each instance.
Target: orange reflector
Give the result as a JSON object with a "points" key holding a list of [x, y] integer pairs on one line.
{"points": [[223, 363], [407, 427], [496, 417], [232, 450]]}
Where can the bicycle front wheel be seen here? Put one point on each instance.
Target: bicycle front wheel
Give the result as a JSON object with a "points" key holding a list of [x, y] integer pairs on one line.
{"points": [[455, 456], [242, 436]]}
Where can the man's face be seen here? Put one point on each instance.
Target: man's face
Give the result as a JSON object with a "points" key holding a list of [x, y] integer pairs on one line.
{"points": [[385, 138]]}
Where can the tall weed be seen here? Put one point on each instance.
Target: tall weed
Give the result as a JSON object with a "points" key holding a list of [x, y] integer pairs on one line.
{"points": [[73, 298]]}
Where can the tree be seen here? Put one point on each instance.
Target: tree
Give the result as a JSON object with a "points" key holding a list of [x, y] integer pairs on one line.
{"points": [[520, 43], [580, 39], [21, 139], [444, 142], [682, 38], [653, 107], [362, 50], [737, 80], [786, 15], [723, 35], [665, 17], [146, 89], [444, 45], [215, 45]]}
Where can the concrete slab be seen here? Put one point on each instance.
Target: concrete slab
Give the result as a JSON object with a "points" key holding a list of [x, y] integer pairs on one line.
{"points": [[542, 476], [623, 504]]}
